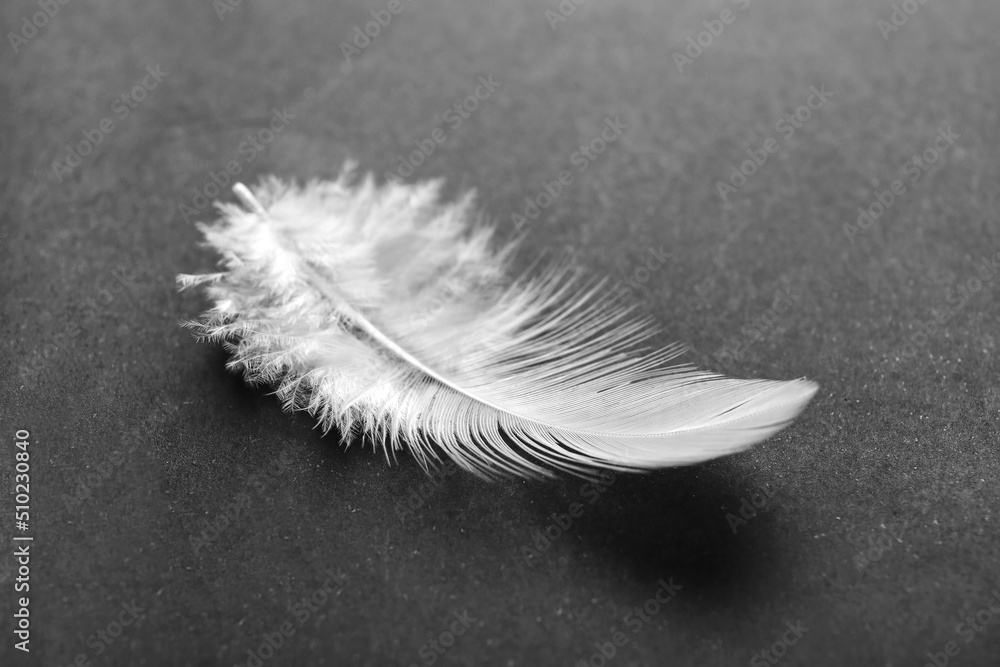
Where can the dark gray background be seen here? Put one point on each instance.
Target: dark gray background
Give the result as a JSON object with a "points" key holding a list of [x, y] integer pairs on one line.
{"points": [[98, 370]]}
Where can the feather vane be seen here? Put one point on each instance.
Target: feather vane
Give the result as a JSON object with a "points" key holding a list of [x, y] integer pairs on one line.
{"points": [[332, 292]]}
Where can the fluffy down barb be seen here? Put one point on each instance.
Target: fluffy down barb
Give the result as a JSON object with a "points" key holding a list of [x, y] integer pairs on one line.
{"points": [[382, 311]]}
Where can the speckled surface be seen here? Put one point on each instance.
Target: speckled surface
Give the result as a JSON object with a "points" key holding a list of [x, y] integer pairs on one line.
{"points": [[140, 438]]}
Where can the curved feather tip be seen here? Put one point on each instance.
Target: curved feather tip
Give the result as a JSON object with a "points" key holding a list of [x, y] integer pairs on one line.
{"points": [[382, 311]]}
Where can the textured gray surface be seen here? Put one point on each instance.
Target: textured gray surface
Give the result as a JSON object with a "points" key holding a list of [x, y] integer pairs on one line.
{"points": [[894, 451]]}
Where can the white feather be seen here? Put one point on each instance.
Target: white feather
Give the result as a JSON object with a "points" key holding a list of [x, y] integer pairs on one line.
{"points": [[333, 292]]}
